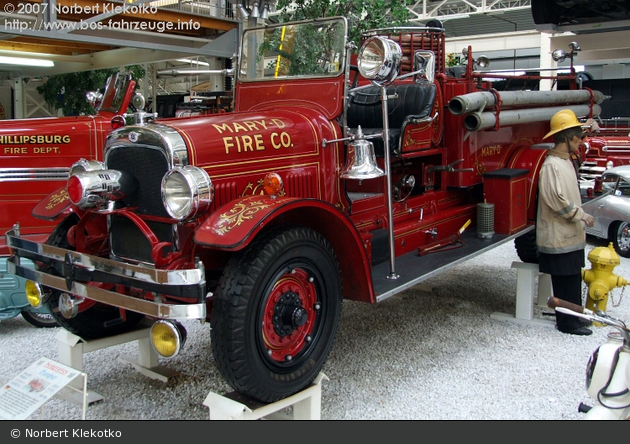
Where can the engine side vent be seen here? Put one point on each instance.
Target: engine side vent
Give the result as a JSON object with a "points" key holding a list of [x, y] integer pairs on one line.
{"points": [[223, 193], [300, 185]]}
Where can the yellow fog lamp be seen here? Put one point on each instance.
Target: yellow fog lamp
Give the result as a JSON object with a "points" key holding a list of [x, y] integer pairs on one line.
{"points": [[168, 338], [34, 293]]}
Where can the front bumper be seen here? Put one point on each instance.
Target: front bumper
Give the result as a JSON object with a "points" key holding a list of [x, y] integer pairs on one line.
{"points": [[79, 274]]}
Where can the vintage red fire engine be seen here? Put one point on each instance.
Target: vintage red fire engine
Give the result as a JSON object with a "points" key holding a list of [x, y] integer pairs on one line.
{"points": [[609, 147], [327, 181], [37, 155]]}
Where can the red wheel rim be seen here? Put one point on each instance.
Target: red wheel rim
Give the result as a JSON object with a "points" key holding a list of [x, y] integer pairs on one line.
{"points": [[293, 296]]}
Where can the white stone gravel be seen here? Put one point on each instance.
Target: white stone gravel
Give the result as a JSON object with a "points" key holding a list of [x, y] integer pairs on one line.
{"points": [[433, 354]]}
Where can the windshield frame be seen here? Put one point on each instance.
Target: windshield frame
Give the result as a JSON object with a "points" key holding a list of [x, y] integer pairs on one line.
{"points": [[115, 92], [250, 33]]}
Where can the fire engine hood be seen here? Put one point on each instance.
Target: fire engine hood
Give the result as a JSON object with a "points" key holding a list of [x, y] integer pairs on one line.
{"points": [[238, 139]]}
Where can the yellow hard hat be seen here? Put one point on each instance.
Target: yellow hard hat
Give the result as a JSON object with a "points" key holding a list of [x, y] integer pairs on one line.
{"points": [[562, 120]]}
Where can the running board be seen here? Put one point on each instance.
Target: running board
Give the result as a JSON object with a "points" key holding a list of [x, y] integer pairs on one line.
{"points": [[413, 268]]}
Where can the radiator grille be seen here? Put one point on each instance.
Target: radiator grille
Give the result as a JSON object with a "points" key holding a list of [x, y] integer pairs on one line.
{"points": [[148, 166], [128, 241]]}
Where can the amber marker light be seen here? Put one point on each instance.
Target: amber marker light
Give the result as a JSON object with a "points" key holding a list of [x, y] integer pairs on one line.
{"points": [[167, 338], [33, 293], [272, 183]]}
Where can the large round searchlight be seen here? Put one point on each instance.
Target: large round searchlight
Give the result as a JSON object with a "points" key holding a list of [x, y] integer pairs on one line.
{"points": [[379, 60], [186, 192]]}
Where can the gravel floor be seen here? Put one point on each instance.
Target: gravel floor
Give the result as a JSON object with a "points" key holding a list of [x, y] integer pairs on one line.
{"points": [[433, 352]]}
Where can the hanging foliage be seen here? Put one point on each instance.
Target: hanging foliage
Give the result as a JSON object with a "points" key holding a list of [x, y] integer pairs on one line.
{"points": [[361, 14], [67, 91]]}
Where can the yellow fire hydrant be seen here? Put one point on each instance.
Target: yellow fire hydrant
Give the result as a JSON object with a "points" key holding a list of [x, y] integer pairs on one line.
{"points": [[600, 278]]}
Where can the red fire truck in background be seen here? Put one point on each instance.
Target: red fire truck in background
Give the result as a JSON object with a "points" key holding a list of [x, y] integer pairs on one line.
{"points": [[609, 147], [35, 159], [338, 175], [36, 155]]}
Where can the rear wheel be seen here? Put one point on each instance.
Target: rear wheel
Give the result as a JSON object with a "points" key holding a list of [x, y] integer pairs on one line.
{"points": [[526, 247], [93, 320], [620, 237], [276, 312]]}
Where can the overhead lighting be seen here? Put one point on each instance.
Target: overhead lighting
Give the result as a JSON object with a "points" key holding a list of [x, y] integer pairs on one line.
{"points": [[453, 17], [25, 62], [243, 11], [193, 62]]}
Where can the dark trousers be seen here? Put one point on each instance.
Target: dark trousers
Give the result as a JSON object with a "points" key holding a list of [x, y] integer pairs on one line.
{"points": [[568, 288]]}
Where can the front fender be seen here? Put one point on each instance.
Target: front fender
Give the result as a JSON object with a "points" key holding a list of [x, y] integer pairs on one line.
{"points": [[54, 205], [234, 225], [231, 226]]}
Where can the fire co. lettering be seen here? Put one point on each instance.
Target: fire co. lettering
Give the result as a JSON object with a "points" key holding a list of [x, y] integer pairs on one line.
{"points": [[490, 150], [259, 141]]}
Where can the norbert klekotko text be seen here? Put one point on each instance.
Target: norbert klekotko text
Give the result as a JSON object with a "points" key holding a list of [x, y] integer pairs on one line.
{"points": [[72, 433]]}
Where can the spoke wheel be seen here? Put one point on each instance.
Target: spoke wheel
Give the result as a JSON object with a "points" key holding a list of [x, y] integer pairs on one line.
{"points": [[621, 238], [276, 312], [40, 320]]}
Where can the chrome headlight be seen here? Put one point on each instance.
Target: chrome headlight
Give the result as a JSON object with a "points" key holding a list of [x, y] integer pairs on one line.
{"points": [[609, 164], [379, 60], [186, 192]]}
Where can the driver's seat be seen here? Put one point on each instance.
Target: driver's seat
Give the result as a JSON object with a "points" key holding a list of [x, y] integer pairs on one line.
{"points": [[414, 101]]}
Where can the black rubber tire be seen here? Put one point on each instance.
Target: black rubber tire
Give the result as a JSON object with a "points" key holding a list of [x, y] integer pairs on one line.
{"points": [[545, 12], [40, 320], [526, 247], [620, 238], [289, 270], [99, 321]]}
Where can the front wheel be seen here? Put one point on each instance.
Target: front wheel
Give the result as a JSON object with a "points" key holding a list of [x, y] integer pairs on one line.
{"points": [[620, 236], [94, 320], [276, 312]]}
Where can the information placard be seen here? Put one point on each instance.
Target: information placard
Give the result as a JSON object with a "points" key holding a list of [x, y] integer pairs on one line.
{"points": [[29, 390]]}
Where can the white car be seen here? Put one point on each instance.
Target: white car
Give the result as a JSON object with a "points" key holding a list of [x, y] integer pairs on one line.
{"points": [[611, 209]]}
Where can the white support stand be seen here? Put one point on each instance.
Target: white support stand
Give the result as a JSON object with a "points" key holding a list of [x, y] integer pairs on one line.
{"points": [[233, 406], [72, 394], [71, 349], [528, 281]]}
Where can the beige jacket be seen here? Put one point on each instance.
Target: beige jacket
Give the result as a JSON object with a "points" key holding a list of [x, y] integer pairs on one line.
{"points": [[559, 225]]}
